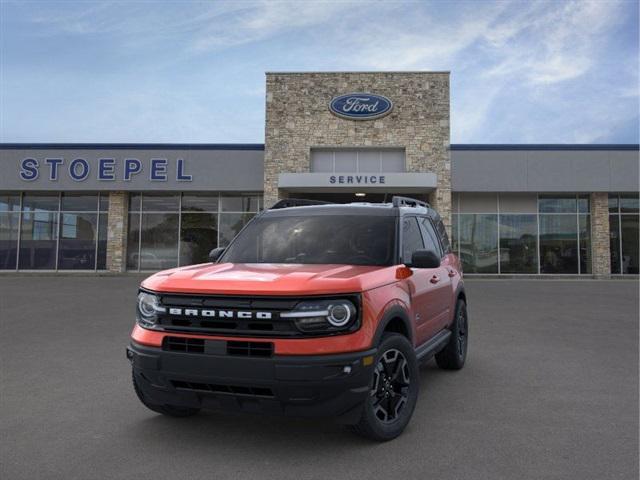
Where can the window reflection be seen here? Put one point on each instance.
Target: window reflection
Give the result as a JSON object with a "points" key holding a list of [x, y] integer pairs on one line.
{"points": [[159, 241], [558, 244], [518, 244], [77, 248], [38, 239], [478, 242], [198, 236]]}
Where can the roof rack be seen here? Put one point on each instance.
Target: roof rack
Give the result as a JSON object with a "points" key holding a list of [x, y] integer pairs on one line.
{"points": [[297, 202], [408, 202]]}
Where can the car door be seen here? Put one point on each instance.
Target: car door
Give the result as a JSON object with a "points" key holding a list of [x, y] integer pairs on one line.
{"points": [[420, 287], [442, 288]]}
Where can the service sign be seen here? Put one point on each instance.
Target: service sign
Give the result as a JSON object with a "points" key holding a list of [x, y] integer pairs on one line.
{"points": [[360, 106]]}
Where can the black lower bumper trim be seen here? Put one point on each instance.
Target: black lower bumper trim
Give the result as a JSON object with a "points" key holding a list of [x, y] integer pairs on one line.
{"points": [[320, 385]]}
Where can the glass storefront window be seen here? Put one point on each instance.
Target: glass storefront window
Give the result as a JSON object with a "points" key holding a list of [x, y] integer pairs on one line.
{"points": [[623, 233], [583, 204], [198, 236], [79, 202], [159, 241], [454, 235], [629, 204], [584, 236], [518, 244], [614, 242], [53, 231], [558, 244], [133, 241], [103, 228], [200, 202], [9, 224], [78, 235], [9, 202], [169, 230], [38, 239], [160, 202], [557, 204], [40, 201], [630, 246], [478, 242], [238, 203]]}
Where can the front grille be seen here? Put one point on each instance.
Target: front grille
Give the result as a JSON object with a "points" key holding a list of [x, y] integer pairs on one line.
{"points": [[250, 349], [179, 344], [225, 389], [237, 315], [274, 326], [217, 347]]}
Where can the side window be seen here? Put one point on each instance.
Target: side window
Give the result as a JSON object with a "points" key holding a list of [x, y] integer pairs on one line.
{"points": [[430, 237], [444, 238], [411, 238]]}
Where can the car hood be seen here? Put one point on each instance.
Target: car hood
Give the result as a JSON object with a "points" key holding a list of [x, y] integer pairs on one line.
{"points": [[269, 279]]}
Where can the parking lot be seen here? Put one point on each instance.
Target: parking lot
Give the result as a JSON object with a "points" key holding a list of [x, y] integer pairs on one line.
{"points": [[550, 390]]}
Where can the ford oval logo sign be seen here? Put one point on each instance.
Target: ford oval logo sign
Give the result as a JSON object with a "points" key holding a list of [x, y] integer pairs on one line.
{"points": [[360, 106]]}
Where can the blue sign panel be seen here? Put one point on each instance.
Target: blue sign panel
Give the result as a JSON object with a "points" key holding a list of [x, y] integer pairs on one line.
{"points": [[360, 106]]}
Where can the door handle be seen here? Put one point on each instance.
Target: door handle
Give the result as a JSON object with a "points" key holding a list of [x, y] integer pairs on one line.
{"points": [[435, 279]]}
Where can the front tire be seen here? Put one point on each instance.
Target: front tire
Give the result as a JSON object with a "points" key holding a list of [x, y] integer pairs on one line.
{"points": [[393, 390], [169, 410], [453, 356]]}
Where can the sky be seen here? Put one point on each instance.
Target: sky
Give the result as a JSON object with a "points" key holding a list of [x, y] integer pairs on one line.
{"points": [[193, 72]]}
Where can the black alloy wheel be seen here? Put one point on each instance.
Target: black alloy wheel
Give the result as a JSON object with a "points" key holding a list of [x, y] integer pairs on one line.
{"points": [[462, 332], [393, 391], [390, 391], [454, 354]]}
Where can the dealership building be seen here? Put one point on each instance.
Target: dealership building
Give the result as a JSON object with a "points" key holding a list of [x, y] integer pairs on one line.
{"points": [[334, 136]]}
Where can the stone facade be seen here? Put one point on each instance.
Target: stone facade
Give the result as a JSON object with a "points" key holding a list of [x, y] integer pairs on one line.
{"points": [[117, 231], [298, 119], [600, 248]]}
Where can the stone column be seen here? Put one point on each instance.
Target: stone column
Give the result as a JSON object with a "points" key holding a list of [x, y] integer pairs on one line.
{"points": [[600, 250], [117, 231]]}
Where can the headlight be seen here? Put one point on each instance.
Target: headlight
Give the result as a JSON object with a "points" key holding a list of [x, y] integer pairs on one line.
{"points": [[323, 315], [148, 309]]}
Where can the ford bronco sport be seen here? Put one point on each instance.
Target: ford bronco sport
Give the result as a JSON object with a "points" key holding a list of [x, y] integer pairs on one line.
{"points": [[312, 310]]}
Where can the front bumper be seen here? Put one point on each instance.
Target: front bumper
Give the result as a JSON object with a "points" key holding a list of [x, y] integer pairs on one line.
{"points": [[319, 385]]}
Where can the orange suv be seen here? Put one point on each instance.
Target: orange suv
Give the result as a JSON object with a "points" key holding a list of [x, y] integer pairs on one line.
{"points": [[313, 310]]}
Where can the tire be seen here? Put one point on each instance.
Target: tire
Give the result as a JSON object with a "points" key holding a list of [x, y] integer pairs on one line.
{"points": [[391, 401], [169, 410], [453, 356]]}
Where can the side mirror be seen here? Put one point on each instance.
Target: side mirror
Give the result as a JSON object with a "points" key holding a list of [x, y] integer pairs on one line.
{"points": [[215, 254], [424, 259]]}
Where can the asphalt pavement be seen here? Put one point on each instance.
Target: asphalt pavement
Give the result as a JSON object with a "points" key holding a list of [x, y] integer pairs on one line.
{"points": [[550, 391]]}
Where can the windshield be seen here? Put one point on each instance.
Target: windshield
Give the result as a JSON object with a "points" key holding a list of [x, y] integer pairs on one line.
{"points": [[343, 239]]}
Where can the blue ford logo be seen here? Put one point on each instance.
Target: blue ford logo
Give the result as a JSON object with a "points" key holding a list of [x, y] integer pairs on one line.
{"points": [[360, 106]]}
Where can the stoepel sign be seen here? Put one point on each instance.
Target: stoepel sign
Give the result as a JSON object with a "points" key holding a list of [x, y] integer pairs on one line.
{"points": [[360, 106], [107, 169]]}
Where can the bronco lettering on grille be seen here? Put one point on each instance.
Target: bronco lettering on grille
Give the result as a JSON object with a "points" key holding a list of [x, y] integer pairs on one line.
{"points": [[241, 314]]}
